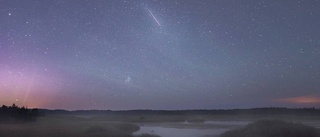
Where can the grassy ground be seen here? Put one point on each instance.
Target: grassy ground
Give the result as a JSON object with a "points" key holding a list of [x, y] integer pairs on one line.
{"points": [[67, 126], [273, 128], [122, 125]]}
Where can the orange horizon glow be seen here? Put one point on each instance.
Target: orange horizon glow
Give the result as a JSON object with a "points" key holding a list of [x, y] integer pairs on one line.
{"points": [[28, 86], [302, 99]]}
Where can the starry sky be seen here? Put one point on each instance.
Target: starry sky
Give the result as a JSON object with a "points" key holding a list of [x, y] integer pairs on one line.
{"points": [[160, 54]]}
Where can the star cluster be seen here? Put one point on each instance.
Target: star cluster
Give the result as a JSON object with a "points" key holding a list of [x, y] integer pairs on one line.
{"points": [[159, 54]]}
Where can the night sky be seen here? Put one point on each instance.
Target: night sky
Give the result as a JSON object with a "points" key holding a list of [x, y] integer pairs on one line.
{"points": [[160, 54]]}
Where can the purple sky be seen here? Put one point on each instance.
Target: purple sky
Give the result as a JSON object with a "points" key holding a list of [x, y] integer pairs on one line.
{"points": [[160, 54]]}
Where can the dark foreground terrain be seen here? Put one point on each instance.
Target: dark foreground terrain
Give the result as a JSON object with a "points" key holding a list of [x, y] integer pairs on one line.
{"points": [[146, 123], [273, 128]]}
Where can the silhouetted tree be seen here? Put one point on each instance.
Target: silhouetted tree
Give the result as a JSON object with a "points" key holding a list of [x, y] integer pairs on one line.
{"points": [[16, 114]]}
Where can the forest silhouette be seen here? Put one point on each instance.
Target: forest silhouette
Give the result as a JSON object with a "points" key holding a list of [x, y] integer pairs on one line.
{"points": [[15, 113]]}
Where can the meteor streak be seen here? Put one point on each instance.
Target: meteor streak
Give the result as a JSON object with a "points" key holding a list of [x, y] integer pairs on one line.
{"points": [[154, 17]]}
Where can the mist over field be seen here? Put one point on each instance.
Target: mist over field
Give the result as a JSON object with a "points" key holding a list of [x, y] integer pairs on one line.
{"points": [[267, 122]]}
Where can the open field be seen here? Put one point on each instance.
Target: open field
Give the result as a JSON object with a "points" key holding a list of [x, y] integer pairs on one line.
{"points": [[58, 126], [137, 125], [274, 128]]}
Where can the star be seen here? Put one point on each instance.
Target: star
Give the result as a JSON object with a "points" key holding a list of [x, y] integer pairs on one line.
{"points": [[128, 79]]}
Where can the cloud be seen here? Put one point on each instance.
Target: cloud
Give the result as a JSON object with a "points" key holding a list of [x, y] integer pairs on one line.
{"points": [[309, 99]]}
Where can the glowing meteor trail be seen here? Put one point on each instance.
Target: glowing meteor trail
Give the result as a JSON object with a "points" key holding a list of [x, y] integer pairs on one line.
{"points": [[154, 18]]}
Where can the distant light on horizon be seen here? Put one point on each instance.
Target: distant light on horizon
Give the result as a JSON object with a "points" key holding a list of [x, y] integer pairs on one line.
{"points": [[302, 100]]}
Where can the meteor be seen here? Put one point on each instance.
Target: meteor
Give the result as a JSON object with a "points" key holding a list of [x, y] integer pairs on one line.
{"points": [[154, 17]]}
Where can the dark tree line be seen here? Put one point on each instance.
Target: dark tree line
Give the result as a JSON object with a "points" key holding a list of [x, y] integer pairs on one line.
{"points": [[15, 113], [253, 111]]}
